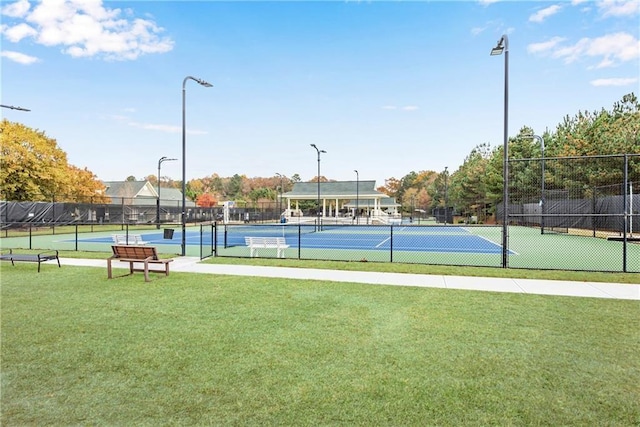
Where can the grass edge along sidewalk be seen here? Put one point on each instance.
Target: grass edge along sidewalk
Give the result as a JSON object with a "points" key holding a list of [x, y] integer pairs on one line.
{"points": [[205, 349], [445, 270]]}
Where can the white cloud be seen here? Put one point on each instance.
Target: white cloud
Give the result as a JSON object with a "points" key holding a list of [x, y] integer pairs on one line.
{"points": [[85, 29], [18, 32], [164, 128], [619, 7], [405, 108], [614, 81], [487, 2], [612, 49], [18, 57], [16, 10], [543, 14], [577, 2], [545, 46]]}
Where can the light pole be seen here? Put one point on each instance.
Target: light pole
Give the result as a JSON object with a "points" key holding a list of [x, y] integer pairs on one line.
{"points": [[503, 46], [14, 108], [184, 157], [162, 159], [446, 196], [319, 213], [357, 194], [281, 191]]}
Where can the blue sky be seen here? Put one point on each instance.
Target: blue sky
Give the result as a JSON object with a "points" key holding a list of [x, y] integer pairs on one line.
{"points": [[384, 87]]}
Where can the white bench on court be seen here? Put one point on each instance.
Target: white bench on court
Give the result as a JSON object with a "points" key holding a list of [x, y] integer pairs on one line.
{"points": [[134, 239], [277, 243]]}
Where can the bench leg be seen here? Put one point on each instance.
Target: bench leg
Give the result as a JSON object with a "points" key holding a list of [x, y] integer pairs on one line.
{"points": [[146, 271]]}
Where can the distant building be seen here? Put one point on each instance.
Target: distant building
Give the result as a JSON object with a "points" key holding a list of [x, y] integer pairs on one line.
{"points": [[142, 193], [137, 202], [342, 198]]}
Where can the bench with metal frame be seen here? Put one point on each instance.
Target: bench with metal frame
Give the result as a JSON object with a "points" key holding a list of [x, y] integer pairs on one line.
{"points": [[255, 243], [39, 258], [148, 255], [131, 239]]}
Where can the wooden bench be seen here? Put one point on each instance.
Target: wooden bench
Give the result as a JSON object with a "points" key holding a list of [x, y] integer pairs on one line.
{"points": [[132, 254], [255, 243], [131, 239], [39, 258]]}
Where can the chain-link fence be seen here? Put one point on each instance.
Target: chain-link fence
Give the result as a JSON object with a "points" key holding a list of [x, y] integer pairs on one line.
{"points": [[577, 213], [128, 211]]}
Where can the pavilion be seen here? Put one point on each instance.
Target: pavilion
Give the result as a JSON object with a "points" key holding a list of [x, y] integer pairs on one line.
{"points": [[337, 196]]}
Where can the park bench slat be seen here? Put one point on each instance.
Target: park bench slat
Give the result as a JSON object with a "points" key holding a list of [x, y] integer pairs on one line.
{"points": [[255, 243], [136, 254]]}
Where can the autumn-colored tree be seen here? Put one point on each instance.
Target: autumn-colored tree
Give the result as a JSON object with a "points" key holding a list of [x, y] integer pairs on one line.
{"points": [[34, 168], [85, 186], [206, 200]]}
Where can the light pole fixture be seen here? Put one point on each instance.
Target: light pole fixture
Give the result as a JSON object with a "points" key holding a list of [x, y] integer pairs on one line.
{"points": [[319, 213], [14, 108], [184, 158], [446, 196], [357, 194], [162, 159], [503, 46], [542, 198], [281, 190]]}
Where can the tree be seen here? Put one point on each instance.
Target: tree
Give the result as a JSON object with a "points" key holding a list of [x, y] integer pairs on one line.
{"points": [[85, 186], [206, 200], [467, 185], [34, 168]]}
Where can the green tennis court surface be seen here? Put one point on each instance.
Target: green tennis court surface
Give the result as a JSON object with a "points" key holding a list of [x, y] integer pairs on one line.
{"points": [[450, 245]]}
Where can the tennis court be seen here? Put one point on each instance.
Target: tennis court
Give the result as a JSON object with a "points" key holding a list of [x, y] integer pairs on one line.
{"points": [[475, 245], [445, 239]]}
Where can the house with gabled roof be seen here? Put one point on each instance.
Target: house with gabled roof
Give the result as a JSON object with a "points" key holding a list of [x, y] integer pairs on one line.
{"points": [[142, 193]]}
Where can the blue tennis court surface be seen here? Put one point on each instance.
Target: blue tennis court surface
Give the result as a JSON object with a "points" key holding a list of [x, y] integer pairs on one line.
{"points": [[444, 239]]}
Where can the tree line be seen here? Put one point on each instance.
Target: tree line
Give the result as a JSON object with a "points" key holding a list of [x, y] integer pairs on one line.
{"points": [[34, 168]]}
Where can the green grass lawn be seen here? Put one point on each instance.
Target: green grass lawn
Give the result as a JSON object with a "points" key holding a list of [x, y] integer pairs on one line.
{"points": [[193, 349]]}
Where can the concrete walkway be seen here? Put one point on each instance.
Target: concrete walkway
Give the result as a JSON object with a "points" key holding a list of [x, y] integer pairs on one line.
{"points": [[523, 286]]}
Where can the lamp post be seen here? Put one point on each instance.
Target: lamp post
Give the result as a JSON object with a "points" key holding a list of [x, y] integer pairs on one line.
{"points": [[357, 195], [184, 157], [446, 196], [14, 108], [162, 159], [319, 213], [503, 46]]}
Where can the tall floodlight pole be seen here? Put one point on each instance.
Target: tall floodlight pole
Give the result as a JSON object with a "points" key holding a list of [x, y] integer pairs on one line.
{"points": [[446, 196], [184, 158], [160, 161], [503, 46], [357, 194], [319, 213], [11, 107]]}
